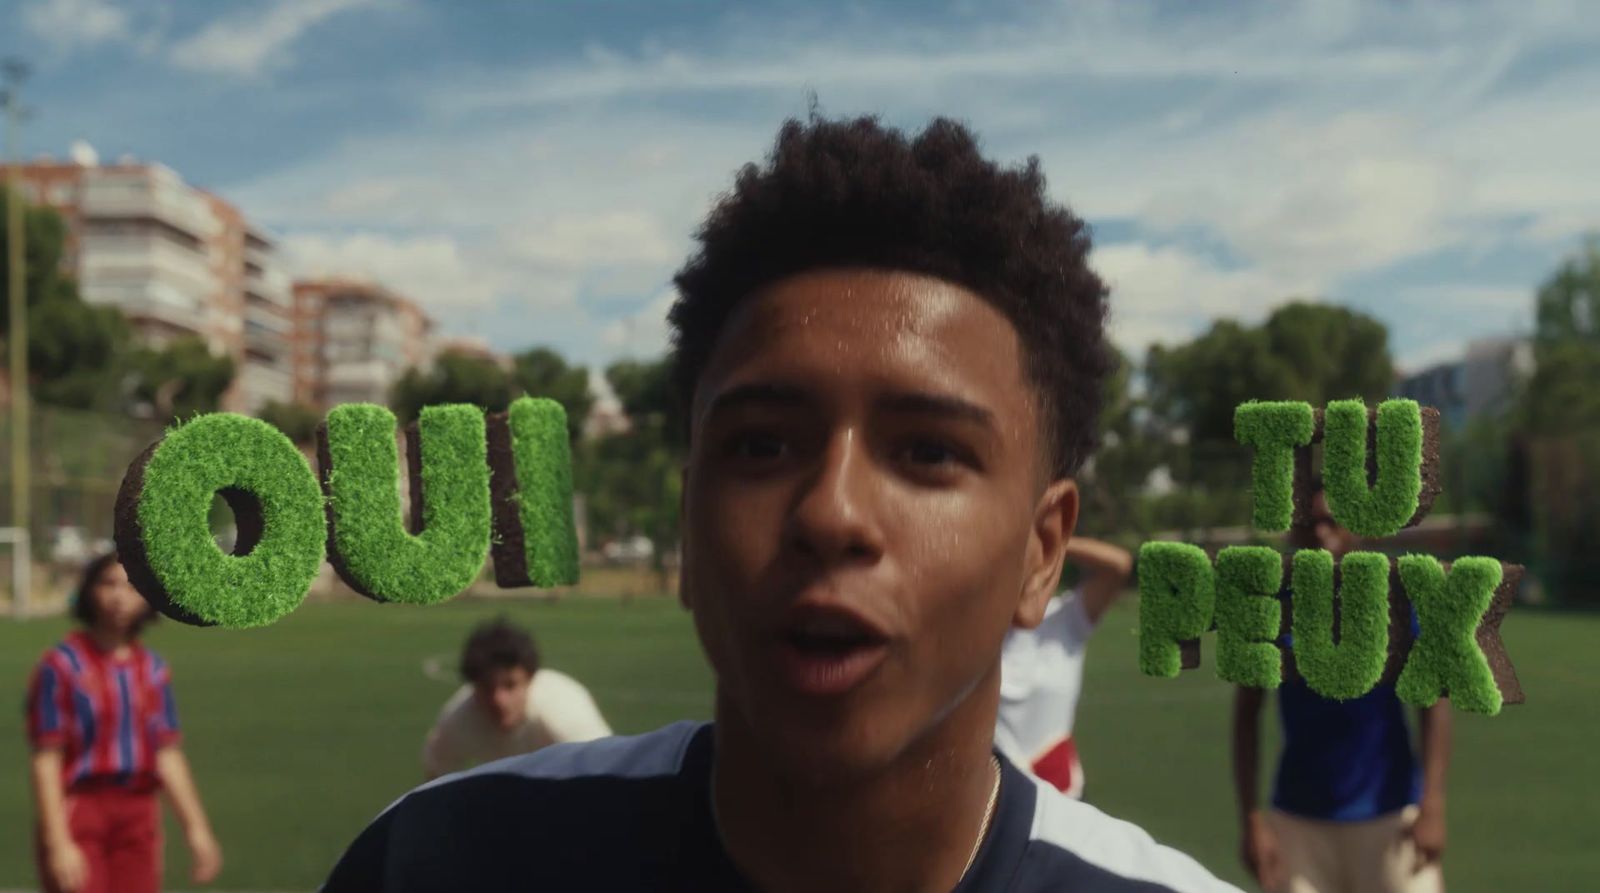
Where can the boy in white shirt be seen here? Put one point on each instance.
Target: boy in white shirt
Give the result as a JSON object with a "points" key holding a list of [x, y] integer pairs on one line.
{"points": [[1042, 668], [509, 705]]}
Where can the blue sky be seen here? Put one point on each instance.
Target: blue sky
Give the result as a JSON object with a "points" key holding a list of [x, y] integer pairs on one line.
{"points": [[532, 172]]}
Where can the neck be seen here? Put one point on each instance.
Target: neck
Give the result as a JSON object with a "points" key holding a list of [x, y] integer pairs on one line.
{"points": [[113, 642], [907, 827]]}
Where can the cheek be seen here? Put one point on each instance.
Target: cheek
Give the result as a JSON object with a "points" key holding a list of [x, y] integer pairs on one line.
{"points": [[962, 578]]}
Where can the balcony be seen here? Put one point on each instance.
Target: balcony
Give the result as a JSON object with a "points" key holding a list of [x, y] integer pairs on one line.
{"points": [[259, 337], [270, 284], [149, 298], [156, 194], [118, 256], [365, 374], [262, 384]]}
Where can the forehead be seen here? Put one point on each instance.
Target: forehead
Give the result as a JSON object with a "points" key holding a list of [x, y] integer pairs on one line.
{"points": [[868, 327]]}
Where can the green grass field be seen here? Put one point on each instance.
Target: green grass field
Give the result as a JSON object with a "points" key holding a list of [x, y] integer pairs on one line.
{"points": [[301, 732]]}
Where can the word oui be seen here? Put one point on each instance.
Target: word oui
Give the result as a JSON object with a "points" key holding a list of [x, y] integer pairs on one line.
{"points": [[497, 485]]}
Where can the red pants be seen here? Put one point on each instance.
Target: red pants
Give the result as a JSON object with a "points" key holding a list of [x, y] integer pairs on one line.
{"points": [[119, 832]]}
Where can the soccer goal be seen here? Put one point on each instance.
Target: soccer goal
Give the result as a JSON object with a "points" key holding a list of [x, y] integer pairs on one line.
{"points": [[21, 564]]}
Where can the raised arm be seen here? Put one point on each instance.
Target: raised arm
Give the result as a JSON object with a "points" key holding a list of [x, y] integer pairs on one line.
{"points": [[1106, 571]]}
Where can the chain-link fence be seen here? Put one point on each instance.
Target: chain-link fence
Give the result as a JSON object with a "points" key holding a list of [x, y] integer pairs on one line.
{"points": [[76, 463]]}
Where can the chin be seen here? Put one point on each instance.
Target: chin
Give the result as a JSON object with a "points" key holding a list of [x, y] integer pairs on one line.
{"points": [[823, 744]]}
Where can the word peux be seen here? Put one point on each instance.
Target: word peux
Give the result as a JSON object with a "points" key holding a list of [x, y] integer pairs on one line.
{"points": [[1345, 627], [497, 485]]}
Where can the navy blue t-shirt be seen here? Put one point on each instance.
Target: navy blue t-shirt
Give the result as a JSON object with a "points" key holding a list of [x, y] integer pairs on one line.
{"points": [[1345, 761], [634, 814]]}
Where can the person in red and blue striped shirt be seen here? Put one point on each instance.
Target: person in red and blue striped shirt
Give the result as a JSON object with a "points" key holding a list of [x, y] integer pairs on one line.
{"points": [[103, 728]]}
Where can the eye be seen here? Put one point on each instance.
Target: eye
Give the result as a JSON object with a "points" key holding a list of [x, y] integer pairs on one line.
{"points": [[755, 446], [930, 452]]}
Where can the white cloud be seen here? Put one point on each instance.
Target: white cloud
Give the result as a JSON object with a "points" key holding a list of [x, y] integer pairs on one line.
{"points": [[434, 270], [67, 24], [642, 334], [1309, 143], [583, 241], [1167, 294], [249, 44]]}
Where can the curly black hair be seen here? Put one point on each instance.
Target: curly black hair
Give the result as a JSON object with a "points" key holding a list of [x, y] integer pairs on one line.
{"points": [[854, 193], [497, 644]]}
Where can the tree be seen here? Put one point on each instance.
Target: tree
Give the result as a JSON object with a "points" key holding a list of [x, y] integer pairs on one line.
{"points": [[77, 353], [1129, 451], [1558, 448], [644, 387], [542, 372], [297, 421], [44, 236], [181, 380], [1303, 351], [1562, 397], [454, 378]]}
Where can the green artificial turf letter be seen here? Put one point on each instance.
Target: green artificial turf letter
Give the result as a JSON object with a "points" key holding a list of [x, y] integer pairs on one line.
{"points": [[1389, 505], [1177, 593], [1275, 430], [164, 537], [1446, 658], [1248, 616], [368, 542], [531, 477], [1351, 667]]}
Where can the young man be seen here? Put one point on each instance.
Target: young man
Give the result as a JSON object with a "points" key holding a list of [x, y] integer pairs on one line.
{"points": [[509, 705], [1042, 668], [1352, 812], [891, 352]]}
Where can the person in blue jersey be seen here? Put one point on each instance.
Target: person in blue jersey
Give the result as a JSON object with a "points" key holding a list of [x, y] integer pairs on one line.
{"points": [[890, 352], [1354, 808]]}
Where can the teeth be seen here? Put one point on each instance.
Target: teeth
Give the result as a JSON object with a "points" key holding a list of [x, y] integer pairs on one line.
{"points": [[835, 627]]}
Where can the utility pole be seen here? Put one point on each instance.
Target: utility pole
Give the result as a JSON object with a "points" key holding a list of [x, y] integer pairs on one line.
{"points": [[14, 72]]}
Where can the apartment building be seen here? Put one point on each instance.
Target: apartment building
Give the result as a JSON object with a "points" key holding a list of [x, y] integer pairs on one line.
{"points": [[352, 340], [176, 260], [1482, 380]]}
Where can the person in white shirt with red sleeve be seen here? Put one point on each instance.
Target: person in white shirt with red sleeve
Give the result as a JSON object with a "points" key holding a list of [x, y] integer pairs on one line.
{"points": [[1042, 668]]}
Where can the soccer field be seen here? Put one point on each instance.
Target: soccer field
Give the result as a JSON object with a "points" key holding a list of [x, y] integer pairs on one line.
{"points": [[301, 732]]}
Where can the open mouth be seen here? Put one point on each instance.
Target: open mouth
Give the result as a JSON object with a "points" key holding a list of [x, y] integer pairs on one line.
{"points": [[826, 651]]}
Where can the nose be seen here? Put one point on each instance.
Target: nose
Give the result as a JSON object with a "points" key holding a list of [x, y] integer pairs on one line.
{"points": [[834, 518]]}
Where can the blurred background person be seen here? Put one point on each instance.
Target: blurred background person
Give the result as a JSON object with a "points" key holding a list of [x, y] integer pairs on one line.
{"points": [[1042, 668], [1352, 810], [103, 727], [508, 705]]}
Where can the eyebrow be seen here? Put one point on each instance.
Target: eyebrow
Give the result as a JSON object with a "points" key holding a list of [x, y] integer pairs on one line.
{"points": [[907, 402], [762, 394]]}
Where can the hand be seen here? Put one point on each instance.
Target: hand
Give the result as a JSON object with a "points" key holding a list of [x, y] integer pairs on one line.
{"points": [[1427, 834], [205, 857], [1259, 851], [68, 868]]}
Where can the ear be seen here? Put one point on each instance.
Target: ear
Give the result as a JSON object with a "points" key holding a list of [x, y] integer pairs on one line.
{"points": [[1053, 522]]}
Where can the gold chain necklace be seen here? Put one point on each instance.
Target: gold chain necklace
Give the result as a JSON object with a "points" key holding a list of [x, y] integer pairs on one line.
{"points": [[988, 816]]}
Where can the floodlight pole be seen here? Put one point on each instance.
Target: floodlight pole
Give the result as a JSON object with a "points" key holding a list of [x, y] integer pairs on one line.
{"points": [[14, 72]]}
